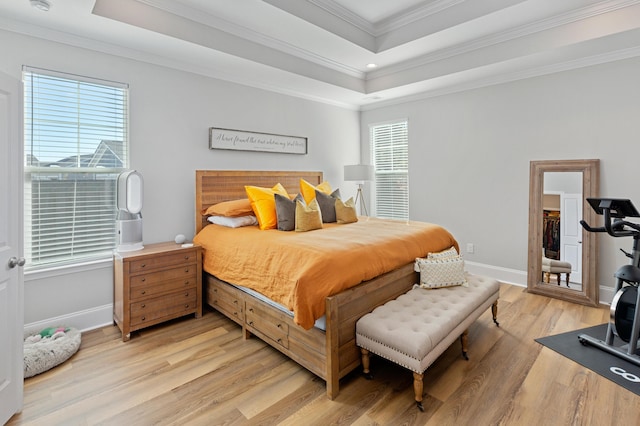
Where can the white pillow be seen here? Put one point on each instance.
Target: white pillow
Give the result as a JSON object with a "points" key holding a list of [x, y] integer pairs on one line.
{"points": [[441, 272], [450, 252], [233, 222]]}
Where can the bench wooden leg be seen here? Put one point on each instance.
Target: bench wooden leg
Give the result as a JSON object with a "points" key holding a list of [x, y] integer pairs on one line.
{"points": [[464, 339], [365, 364], [417, 389], [494, 312]]}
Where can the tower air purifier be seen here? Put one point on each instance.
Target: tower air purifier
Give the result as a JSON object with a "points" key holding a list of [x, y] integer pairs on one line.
{"points": [[129, 196]]}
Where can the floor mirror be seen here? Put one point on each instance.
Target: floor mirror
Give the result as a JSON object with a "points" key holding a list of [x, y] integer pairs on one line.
{"points": [[562, 255]]}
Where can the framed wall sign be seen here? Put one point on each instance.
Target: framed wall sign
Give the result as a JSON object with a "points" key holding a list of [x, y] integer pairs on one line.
{"points": [[241, 140]]}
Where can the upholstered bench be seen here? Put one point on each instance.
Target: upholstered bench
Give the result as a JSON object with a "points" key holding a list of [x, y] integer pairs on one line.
{"points": [[414, 329]]}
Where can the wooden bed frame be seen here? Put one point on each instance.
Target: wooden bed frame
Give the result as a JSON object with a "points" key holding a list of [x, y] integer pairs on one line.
{"points": [[329, 354]]}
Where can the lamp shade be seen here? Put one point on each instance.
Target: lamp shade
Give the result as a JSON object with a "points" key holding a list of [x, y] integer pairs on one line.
{"points": [[358, 172]]}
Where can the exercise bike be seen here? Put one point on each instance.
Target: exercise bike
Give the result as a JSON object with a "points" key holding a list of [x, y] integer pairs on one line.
{"points": [[624, 318]]}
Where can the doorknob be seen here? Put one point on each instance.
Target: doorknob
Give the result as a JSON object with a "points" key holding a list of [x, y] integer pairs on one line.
{"points": [[14, 261]]}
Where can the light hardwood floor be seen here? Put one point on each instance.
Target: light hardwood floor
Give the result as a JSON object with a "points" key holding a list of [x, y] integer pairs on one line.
{"points": [[201, 372]]}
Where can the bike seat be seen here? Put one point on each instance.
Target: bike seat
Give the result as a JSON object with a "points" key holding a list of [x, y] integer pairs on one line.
{"points": [[628, 273]]}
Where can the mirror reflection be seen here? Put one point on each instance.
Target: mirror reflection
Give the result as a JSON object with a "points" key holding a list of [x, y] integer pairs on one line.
{"points": [[561, 230]]}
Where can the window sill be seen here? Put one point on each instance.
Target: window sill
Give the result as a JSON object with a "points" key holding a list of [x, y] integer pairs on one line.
{"points": [[68, 269]]}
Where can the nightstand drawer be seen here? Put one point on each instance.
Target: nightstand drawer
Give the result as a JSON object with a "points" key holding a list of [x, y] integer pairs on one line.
{"points": [[179, 273], [183, 257], [144, 290], [171, 305]]}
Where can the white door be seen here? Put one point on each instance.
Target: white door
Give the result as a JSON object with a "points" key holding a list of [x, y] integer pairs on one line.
{"points": [[11, 275], [571, 234]]}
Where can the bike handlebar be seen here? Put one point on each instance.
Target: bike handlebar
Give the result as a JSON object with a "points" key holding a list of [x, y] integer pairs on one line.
{"points": [[615, 228]]}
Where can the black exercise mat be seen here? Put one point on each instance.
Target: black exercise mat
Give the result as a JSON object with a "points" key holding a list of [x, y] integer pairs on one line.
{"points": [[625, 373]]}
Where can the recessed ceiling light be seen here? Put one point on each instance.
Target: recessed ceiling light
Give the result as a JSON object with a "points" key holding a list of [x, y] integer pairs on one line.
{"points": [[372, 66], [42, 5]]}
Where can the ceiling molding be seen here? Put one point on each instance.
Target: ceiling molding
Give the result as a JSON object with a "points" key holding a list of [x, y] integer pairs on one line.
{"points": [[505, 36], [243, 32], [509, 77]]}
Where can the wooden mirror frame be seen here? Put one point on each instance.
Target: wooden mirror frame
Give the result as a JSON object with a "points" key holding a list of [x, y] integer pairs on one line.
{"points": [[590, 170]]}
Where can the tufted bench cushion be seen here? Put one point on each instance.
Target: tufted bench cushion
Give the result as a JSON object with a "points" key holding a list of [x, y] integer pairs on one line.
{"points": [[414, 329]]}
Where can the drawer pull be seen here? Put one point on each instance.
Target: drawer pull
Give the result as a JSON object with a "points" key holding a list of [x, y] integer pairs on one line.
{"points": [[143, 265], [186, 282], [235, 301], [143, 306], [186, 294], [143, 318], [186, 270], [251, 310], [251, 323], [279, 341], [279, 325], [186, 258], [143, 292], [186, 306], [143, 279]]}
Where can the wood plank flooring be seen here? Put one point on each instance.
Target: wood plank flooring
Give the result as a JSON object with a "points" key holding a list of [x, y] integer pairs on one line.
{"points": [[201, 372]]}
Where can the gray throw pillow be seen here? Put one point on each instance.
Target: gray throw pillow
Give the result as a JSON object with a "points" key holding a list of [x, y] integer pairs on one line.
{"points": [[286, 212], [327, 205]]}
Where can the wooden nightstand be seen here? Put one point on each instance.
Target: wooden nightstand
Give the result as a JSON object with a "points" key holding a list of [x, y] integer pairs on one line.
{"points": [[158, 283]]}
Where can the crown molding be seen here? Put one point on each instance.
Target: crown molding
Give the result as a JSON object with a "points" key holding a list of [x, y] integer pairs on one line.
{"points": [[509, 77], [505, 36], [386, 25], [245, 33]]}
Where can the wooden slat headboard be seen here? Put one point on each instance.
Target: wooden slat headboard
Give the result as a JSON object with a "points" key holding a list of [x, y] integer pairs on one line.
{"points": [[216, 186]]}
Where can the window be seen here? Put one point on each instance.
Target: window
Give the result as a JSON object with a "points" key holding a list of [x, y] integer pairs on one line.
{"points": [[390, 148], [75, 145]]}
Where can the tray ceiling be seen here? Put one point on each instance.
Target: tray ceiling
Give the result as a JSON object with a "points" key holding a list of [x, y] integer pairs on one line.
{"points": [[320, 49]]}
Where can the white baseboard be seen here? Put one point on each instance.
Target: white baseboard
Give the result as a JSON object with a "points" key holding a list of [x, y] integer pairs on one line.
{"points": [[101, 316], [519, 278], [86, 320], [505, 275]]}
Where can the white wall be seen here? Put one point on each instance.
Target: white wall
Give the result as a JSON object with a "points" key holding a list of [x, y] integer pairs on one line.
{"points": [[470, 154], [171, 112]]}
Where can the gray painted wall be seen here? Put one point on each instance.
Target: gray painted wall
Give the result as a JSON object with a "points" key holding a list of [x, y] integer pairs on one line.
{"points": [[171, 112], [470, 153]]}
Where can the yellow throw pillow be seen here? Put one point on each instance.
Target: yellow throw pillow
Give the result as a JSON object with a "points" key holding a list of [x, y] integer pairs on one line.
{"points": [[309, 191], [308, 217], [264, 205], [346, 211]]}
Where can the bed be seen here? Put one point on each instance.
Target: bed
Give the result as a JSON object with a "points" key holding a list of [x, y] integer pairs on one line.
{"points": [[328, 349]]}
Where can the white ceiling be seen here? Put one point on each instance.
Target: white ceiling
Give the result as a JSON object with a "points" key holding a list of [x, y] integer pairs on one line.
{"points": [[319, 49]]}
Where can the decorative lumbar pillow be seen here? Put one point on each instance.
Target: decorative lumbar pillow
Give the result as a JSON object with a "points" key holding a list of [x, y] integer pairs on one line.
{"points": [[327, 205], [441, 272], [286, 212], [450, 252], [308, 217], [263, 204], [48, 348], [233, 222], [345, 211], [309, 191], [233, 208]]}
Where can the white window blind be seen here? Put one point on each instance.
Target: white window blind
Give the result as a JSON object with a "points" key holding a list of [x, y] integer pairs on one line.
{"points": [[390, 148], [76, 144]]}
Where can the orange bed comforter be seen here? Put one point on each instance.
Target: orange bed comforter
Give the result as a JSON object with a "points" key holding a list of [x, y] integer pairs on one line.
{"points": [[299, 269]]}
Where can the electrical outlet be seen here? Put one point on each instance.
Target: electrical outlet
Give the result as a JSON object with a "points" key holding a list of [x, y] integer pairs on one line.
{"points": [[470, 248]]}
